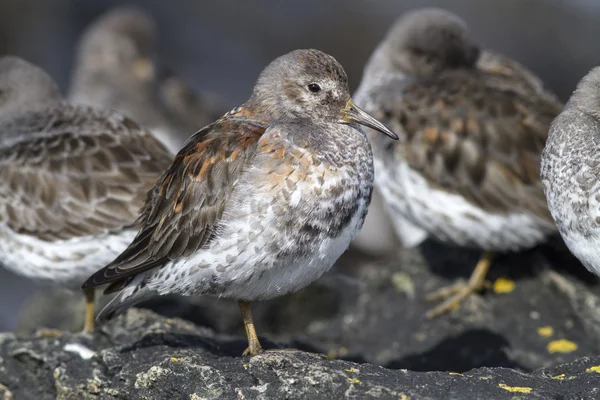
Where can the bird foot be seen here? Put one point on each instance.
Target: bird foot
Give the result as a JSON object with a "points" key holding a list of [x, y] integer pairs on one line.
{"points": [[247, 352], [252, 351], [48, 333], [88, 328], [286, 350], [5, 392], [454, 294]]}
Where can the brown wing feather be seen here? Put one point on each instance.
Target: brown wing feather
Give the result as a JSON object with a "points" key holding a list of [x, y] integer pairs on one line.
{"points": [[470, 133], [85, 173], [186, 204], [507, 74]]}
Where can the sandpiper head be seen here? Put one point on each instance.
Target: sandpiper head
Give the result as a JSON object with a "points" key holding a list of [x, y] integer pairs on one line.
{"points": [[24, 87], [122, 42], [425, 42], [309, 85]]}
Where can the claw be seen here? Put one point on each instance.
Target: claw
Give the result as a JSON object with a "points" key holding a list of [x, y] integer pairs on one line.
{"points": [[459, 291]]}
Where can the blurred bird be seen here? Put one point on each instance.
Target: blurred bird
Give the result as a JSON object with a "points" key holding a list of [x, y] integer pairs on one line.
{"points": [[472, 128], [117, 68], [571, 171], [72, 179], [259, 203], [377, 236]]}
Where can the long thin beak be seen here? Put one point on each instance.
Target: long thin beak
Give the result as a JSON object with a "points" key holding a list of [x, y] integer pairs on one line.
{"points": [[353, 114]]}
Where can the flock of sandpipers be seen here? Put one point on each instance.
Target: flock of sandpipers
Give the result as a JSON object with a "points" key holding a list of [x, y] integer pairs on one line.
{"points": [[463, 144]]}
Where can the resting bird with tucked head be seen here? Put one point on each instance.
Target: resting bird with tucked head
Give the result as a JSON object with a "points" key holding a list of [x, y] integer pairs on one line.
{"points": [[259, 203], [72, 179], [117, 68], [472, 126]]}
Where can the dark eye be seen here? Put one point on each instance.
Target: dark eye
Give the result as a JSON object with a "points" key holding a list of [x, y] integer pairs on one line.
{"points": [[313, 87]]}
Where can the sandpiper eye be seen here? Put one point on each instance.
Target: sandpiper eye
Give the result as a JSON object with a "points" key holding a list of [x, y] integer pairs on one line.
{"points": [[313, 87]]}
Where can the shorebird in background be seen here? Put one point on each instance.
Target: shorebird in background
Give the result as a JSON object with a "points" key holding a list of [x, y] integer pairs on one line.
{"points": [[472, 126], [72, 180], [117, 68]]}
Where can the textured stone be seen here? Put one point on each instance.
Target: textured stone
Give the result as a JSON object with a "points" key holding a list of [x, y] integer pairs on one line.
{"points": [[145, 356], [369, 310]]}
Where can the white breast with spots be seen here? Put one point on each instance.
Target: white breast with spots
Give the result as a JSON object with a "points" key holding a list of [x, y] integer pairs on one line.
{"points": [[261, 250]]}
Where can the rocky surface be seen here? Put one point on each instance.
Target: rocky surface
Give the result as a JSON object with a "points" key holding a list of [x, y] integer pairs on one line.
{"points": [[145, 356], [543, 310]]}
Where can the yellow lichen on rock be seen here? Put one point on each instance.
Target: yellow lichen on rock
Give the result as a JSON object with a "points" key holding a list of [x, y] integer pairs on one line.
{"points": [[545, 331], [561, 346], [515, 389], [503, 285]]}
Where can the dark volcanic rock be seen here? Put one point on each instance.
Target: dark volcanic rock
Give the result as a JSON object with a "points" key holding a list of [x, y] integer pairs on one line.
{"points": [[144, 356], [369, 310]]}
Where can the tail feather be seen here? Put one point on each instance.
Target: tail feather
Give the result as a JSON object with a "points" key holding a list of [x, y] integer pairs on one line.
{"points": [[133, 293]]}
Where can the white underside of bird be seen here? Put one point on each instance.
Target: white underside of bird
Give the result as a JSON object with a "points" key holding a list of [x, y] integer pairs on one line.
{"points": [[64, 262], [451, 218]]}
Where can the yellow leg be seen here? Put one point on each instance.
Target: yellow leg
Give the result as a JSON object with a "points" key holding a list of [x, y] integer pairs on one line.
{"points": [[5, 392], [253, 343], [458, 292], [88, 326]]}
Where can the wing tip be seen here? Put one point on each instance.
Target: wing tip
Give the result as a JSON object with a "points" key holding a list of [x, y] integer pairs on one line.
{"points": [[99, 278]]}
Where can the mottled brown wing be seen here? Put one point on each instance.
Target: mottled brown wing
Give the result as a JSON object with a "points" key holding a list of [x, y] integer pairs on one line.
{"points": [[469, 133], [186, 204], [79, 172], [507, 74]]}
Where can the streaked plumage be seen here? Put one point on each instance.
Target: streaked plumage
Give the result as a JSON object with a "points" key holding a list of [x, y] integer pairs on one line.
{"points": [[261, 202], [72, 179], [117, 68], [472, 128], [571, 171]]}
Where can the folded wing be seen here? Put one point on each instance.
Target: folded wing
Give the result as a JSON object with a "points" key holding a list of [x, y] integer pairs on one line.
{"points": [[185, 206], [76, 172], [478, 134]]}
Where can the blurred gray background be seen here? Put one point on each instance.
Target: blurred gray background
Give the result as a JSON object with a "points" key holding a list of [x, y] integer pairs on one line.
{"points": [[221, 45]]}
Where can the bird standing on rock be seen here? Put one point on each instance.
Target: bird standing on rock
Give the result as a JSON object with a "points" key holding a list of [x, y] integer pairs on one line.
{"points": [[117, 68], [571, 171], [259, 203], [472, 127], [72, 179]]}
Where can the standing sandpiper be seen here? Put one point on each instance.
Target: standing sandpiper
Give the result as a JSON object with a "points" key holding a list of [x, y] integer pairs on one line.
{"points": [[117, 68], [259, 203], [466, 170], [72, 180], [571, 171]]}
